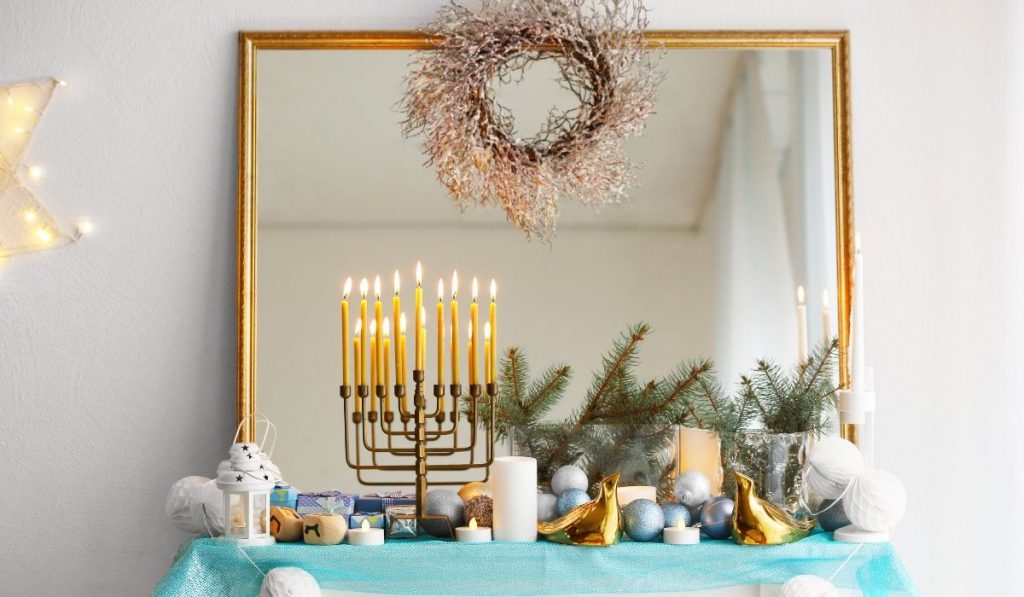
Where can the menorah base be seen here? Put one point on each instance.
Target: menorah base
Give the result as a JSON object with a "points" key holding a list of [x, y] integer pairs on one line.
{"points": [[437, 525]]}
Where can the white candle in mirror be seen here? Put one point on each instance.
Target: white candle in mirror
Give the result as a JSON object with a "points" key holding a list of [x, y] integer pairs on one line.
{"points": [[826, 317], [472, 533], [801, 326], [681, 534], [366, 535], [857, 321], [635, 492]]}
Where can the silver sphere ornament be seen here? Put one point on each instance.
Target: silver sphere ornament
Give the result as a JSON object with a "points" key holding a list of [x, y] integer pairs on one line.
{"points": [[695, 513], [673, 512], [876, 502], [569, 477], [807, 585], [569, 500], [443, 502], [692, 488], [288, 581], [643, 520], [546, 507], [716, 518], [831, 466], [831, 516]]}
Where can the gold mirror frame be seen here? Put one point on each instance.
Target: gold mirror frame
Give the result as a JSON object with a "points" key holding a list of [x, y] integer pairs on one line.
{"points": [[249, 42]]}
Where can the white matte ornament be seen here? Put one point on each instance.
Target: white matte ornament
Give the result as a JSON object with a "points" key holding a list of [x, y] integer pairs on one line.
{"points": [[288, 581], [807, 585], [692, 489], [876, 502], [546, 507], [178, 505], [568, 477], [832, 464]]}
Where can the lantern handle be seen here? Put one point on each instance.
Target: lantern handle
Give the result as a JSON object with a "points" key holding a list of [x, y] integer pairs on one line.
{"points": [[256, 417], [273, 439]]}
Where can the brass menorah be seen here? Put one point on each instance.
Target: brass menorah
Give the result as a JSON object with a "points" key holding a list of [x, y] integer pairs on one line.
{"points": [[410, 437]]}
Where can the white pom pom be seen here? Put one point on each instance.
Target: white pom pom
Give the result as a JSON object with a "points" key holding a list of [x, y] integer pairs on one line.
{"points": [[876, 502], [209, 495], [807, 585], [833, 463], [179, 503], [288, 581]]}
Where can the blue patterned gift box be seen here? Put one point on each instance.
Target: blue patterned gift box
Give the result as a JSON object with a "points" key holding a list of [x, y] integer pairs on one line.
{"points": [[381, 501], [284, 495], [376, 520], [326, 502]]}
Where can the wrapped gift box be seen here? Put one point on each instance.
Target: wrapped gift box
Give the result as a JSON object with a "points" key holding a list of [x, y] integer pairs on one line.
{"points": [[376, 520], [381, 501], [284, 496], [326, 502]]}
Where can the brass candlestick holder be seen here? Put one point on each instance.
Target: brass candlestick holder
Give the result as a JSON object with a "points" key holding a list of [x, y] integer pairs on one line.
{"points": [[409, 436]]}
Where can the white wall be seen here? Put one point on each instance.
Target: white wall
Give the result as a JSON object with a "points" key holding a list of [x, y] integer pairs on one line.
{"points": [[117, 355]]}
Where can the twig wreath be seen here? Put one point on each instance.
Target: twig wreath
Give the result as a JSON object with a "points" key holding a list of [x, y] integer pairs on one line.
{"points": [[471, 139]]}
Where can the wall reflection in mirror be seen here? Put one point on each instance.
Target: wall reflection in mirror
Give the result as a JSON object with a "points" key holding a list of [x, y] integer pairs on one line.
{"points": [[734, 210]]}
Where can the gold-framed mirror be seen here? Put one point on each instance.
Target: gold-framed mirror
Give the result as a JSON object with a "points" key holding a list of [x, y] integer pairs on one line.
{"points": [[285, 77]]}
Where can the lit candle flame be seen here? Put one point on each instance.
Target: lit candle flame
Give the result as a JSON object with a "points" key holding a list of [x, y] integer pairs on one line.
{"points": [[475, 289], [680, 523], [376, 287], [348, 288], [455, 285], [419, 274], [366, 524], [440, 290], [494, 289], [472, 523], [800, 294], [401, 324], [398, 282], [363, 287]]}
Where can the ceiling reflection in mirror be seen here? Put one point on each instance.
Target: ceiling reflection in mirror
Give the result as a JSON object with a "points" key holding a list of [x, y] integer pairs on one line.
{"points": [[734, 209]]}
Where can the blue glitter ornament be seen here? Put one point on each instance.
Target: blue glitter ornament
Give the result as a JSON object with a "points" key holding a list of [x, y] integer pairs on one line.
{"points": [[642, 520], [834, 517], [569, 499], [716, 518], [673, 512]]}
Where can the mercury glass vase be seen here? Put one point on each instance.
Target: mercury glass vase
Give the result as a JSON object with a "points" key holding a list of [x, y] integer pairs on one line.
{"points": [[773, 460]]}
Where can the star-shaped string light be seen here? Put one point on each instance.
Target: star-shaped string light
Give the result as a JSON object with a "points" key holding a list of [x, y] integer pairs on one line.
{"points": [[25, 225]]}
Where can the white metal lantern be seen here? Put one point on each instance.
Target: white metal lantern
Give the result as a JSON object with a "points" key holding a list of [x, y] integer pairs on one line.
{"points": [[247, 506]]}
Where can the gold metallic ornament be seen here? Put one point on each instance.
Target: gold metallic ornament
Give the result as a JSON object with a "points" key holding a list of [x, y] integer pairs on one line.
{"points": [[760, 522], [474, 488], [596, 522]]}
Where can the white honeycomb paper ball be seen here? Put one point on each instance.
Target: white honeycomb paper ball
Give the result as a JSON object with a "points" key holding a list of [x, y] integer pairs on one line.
{"points": [[807, 585], [288, 581], [876, 502], [832, 464]]}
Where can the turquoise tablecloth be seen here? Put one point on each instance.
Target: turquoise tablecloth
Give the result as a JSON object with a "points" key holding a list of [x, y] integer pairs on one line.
{"points": [[435, 567]]}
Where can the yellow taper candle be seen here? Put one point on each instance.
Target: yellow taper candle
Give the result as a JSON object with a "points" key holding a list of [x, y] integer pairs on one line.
{"points": [[378, 331], [345, 373], [474, 324], [400, 355], [361, 373], [359, 361], [492, 355], [396, 315], [455, 328], [420, 348], [423, 334], [469, 352], [440, 332], [385, 364], [487, 352], [374, 365]]}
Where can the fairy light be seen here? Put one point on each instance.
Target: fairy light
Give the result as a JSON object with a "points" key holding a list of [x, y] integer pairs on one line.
{"points": [[85, 227], [36, 172]]}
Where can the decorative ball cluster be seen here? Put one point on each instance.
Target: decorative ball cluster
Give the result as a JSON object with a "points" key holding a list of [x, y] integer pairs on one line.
{"points": [[481, 508], [471, 140]]}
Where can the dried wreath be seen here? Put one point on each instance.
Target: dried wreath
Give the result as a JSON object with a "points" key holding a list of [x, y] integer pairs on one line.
{"points": [[471, 139]]}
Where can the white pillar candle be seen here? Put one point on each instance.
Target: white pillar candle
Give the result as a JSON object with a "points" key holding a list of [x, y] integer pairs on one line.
{"points": [[636, 492], [515, 498], [473, 533], [680, 535], [857, 322], [801, 326], [366, 535]]}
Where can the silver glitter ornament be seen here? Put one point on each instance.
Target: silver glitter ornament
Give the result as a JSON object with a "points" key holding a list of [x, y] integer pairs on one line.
{"points": [[568, 477], [834, 517], [642, 520], [443, 502], [692, 488], [570, 499], [673, 512], [716, 518]]}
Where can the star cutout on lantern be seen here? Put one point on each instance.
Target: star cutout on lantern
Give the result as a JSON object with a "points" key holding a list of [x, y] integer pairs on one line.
{"points": [[238, 478], [245, 448], [25, 225], [249, 455], [266, 477]]}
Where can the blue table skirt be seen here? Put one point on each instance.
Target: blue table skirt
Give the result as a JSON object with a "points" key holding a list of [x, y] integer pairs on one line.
{"points": [[436, 567]]}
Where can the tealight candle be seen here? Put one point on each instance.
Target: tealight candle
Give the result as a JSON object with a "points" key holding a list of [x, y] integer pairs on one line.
{"points": [[635, 492], [473, 533], [681, 535], [366, 535]]}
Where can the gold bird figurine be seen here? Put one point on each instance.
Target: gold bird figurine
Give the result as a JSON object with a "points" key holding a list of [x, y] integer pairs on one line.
{"points": [[759, 522], [596, 522]]}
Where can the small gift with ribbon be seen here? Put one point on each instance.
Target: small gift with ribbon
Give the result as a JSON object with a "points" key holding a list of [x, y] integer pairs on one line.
{"points": [[382, 500]]}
